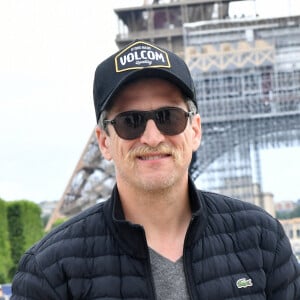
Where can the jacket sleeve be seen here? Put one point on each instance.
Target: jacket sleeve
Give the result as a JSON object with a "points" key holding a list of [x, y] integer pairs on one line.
{"points": [[30, 282], [283, 282]]}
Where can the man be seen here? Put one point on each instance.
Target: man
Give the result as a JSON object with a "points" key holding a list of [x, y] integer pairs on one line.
{"points": [[157, 237]]}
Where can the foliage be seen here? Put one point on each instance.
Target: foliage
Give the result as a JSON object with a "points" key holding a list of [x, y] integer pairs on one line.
{"points": [[289, 215], [25, 228], [5, 254], [295, 213], [45, 220], [58, 222], [282, 215]]}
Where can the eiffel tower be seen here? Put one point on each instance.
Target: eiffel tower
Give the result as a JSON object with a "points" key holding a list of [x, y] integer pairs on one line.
{"points": [[247, 77]]}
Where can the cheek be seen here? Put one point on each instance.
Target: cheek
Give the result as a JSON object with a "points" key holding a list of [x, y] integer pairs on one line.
{"points": [[190, 141], [119, 149]]}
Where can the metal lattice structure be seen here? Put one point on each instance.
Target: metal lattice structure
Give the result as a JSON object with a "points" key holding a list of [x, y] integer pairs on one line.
{"points": [[247, 76]]}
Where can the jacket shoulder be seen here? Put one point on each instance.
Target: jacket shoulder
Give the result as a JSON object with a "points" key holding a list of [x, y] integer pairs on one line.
{"points": [[226, 203], [71, 236], [240, 213], [70, 244], [76, 227]]}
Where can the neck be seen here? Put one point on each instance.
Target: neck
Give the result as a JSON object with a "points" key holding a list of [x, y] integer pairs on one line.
{"points": [[164, 214]]}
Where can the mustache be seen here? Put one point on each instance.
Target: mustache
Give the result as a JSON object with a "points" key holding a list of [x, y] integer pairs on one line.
{"points": [[160, 149]]}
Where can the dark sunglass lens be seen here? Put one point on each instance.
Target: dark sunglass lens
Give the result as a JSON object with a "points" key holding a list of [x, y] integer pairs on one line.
{"points": [[171, 121], [130, 125]]}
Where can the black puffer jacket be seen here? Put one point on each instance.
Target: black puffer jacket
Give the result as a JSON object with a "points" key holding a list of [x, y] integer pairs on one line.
{"points": [[233, 250]]}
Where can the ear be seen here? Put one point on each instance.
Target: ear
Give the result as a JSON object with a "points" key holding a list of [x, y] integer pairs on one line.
{"points": [[197, 132], [103, 142]]}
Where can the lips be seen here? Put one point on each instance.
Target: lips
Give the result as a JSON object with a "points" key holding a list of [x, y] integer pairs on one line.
{"points": [[153, 157]]}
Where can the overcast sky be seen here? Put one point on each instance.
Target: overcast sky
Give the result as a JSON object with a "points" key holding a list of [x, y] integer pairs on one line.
{"points": [[49, 51]]}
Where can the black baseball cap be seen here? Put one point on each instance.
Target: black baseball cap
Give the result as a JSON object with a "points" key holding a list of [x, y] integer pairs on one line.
{"points": [[137, 60]]}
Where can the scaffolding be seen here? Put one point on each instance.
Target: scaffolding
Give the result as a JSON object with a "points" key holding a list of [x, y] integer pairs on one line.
{"points": [[247, 77], [161, 22]]}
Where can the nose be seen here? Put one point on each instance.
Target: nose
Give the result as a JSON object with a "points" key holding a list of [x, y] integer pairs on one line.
{"points": [[152, 136]]}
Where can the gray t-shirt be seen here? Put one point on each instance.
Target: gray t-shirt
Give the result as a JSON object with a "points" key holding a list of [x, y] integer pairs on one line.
{"points": [[169, 278]]}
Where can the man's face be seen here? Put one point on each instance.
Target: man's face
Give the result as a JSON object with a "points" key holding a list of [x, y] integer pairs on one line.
{"points": [[154, 160]]}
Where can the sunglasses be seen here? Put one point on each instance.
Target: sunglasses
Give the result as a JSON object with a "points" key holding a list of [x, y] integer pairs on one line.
{"points": [[130, 125]]}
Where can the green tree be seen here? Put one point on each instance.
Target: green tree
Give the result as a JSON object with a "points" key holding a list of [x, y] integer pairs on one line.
{"points": [[5, 254], [295, 213], [59, 222], [25, 228], [283, 215]]}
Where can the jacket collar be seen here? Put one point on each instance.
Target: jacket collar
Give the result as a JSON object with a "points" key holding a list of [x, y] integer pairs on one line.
{"points": [[132, 237]]}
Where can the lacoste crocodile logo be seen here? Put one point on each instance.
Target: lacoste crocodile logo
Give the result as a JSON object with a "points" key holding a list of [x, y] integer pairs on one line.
{"points": [[244, 283]]}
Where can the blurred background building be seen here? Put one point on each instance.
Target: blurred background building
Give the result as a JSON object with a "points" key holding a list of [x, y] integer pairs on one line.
{"points": [[292, 230]]}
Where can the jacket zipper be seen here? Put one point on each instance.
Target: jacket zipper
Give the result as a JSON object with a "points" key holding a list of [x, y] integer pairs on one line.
{"points": [[186, 264]]}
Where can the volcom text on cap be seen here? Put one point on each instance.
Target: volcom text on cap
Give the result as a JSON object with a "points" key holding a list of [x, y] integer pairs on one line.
{"points": [[141, 55]]}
